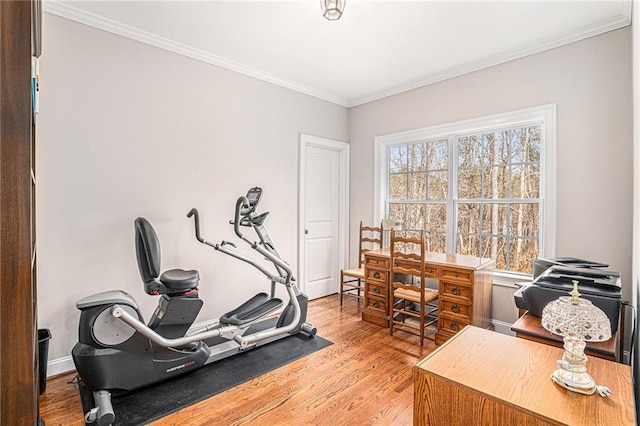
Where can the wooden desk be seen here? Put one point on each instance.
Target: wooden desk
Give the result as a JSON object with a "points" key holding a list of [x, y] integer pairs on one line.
{"points": [[481, 377], [529, 327], [464, 282]]}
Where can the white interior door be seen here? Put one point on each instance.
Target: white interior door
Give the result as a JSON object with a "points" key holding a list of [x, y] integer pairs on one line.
{"points": [[323, 190]]}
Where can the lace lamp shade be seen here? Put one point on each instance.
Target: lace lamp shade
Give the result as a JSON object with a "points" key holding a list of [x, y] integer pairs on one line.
{"points": [[577, 317]]}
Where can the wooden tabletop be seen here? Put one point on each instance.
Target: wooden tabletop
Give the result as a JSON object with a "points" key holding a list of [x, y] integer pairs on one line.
{"points": [[517, 372], [529, 326], [444, 259]]}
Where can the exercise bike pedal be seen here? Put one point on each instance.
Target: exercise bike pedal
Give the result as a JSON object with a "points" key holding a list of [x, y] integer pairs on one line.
{"points": [[256, 312], [256, 300]]}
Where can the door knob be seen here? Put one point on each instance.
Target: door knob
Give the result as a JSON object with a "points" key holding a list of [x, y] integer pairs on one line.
{"points": [[306, 231]]}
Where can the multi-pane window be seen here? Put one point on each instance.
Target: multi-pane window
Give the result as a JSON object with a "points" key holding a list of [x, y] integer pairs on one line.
{"points": [[473, 192], [498, 196], [419, 189]]}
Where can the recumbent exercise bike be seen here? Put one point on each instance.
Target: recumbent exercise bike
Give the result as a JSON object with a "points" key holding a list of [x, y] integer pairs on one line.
{"points": [[117, 353]]}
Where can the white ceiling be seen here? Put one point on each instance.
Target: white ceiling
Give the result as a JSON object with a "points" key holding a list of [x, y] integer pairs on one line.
{"points": [[376, 49]]}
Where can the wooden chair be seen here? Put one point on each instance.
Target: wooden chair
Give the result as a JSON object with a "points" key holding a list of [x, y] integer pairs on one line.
{"points": [[352, 280], [413, 307]]}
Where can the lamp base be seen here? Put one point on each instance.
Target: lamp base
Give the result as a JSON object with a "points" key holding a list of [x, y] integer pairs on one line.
{"points": [[575, 382]]}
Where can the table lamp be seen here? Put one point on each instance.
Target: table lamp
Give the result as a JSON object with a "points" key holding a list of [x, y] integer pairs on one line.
{"points": [[577, 321]]}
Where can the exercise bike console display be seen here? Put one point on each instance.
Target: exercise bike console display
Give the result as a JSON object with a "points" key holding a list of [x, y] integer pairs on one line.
{"points": [[254, 195], [117, 352]]}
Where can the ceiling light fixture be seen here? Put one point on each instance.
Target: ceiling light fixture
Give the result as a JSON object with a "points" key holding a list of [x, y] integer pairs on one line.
{"points": [[332, 9]]}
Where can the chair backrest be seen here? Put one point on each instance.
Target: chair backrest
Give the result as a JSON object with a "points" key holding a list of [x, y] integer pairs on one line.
{"points": [[370, 239], [407, 258], [147, 250]]}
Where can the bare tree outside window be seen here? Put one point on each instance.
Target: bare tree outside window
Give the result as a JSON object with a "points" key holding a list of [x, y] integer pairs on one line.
{"points": [[496, 201], [418, 190]]}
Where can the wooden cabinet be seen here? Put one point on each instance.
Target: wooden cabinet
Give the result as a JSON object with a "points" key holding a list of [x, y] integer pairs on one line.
{"points": [[464, 283], [480, 377], [376, 288], [465, 299]]}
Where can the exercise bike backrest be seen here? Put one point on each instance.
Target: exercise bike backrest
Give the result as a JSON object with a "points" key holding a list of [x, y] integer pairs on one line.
{"points": [[174, 282]]}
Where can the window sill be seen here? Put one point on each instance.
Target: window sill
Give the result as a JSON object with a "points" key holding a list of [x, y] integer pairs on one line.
{"points": [[509, 279]]}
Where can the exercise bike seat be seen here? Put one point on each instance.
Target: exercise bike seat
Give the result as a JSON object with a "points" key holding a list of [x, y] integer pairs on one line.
{"points": [[180, 280], [171, 282]]}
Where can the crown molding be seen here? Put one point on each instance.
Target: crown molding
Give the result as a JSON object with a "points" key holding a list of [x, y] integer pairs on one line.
{"points": [[64, 10], [622, 20]]}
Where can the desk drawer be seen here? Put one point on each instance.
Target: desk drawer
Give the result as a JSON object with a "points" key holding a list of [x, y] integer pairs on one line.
{"points": [[431, 271], [450, 325], [456, 291], [453, 308], [376, 276], [461, 275], [376, 304], [376, 289], [379, 262]]}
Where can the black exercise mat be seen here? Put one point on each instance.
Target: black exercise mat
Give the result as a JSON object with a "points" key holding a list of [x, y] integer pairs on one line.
{"points": [[159, 400]]}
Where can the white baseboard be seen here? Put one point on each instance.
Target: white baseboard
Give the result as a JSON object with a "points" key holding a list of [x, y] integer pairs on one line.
{"points": [[59, 366]]}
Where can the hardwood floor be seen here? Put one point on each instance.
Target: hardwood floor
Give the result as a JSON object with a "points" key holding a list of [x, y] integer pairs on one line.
{"points": [[363, 378]]}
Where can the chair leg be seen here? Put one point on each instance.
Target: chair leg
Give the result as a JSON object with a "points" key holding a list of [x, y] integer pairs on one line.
{"points": [[422, 313], [392, 301], [341, 287]]}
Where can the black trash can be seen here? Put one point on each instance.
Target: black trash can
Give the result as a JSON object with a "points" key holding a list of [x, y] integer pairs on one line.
{"points": [[44, 335]]}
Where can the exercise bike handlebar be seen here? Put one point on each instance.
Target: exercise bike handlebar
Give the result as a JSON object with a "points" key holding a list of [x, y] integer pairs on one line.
{"points": [[241, 205], [220, 247], [196, 218], [194, 212]]}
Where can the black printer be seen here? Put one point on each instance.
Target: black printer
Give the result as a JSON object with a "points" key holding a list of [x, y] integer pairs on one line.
{"points": [[553, 278]]}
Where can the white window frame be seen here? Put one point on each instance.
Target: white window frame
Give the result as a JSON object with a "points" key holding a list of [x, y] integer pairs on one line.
{"points": [[544, 113]]}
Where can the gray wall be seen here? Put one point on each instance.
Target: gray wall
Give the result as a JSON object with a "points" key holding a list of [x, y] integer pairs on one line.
{"points": [[129, 130], [590, 82]]}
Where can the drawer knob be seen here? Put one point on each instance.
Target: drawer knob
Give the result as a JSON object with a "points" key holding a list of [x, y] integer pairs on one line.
{"points": [[428, 270], [376, 290], [376, 275], [455, 308], [456, 290], [455, 274], [376, 304], [454, 326]]}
